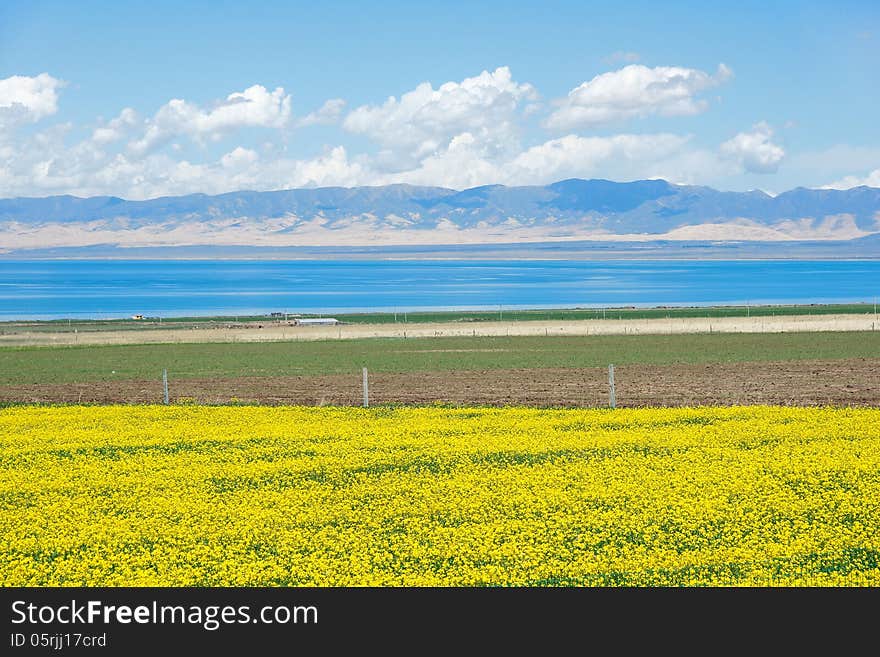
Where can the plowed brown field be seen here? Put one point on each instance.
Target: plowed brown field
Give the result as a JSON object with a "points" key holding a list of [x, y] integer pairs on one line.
{"points": [[851, 382]]}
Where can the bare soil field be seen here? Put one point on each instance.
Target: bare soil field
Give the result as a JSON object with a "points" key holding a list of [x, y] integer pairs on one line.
{"points": [[849, 382], [279, 331]]}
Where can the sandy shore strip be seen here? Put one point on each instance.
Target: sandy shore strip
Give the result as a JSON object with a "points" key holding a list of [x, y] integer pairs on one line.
{"points": [[275, 332]]}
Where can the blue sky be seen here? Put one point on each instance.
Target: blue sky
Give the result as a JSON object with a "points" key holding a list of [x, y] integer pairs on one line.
{"points": [[140, 100]]}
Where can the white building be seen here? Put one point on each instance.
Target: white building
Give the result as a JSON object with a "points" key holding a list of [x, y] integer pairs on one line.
{"points": [[318, 321]]}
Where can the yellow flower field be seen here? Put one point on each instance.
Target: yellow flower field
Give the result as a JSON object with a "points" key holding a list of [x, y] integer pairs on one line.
{"points": [[190, 495]]}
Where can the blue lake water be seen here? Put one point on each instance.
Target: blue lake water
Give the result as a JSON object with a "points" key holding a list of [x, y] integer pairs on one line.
{"points": [[116, 288]]}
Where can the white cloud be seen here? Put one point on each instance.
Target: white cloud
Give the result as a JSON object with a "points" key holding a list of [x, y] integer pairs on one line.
{"points": [[848, 182], [328, 114], [87, 169], [239, 158], [459, 135], [624, 156], [424, 121], [253, 107], [42, 164], [460, 165], [463, 164], [635, 91], [332, 168], [844, 164], [117, 128], [28, 99], [754, 151]]}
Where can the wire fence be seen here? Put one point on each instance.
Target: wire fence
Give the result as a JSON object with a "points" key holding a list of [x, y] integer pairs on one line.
{"points": [[850, 382]]}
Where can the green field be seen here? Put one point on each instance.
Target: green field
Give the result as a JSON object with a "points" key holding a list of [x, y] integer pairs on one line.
{"points": [[402, 317], [38, 365], [605, 313]]}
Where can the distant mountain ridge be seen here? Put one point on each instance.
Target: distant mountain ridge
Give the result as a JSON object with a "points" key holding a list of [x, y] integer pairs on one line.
{"points": [[571, 209]]}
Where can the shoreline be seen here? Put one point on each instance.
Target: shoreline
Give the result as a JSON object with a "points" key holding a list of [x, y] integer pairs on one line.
{"points": [[421, 315], [281, 332], [493, 256], [653, 248]]}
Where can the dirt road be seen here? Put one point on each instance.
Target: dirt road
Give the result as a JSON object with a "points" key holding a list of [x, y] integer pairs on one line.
{"points": [[275, 332]]}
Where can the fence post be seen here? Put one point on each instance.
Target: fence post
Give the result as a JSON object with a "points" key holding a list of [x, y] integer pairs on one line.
{"points": [[165, 384], [366, 390], [611, 397]]}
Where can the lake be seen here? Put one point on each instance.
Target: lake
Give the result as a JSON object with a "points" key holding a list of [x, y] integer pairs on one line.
{"points": [[51, 289]]}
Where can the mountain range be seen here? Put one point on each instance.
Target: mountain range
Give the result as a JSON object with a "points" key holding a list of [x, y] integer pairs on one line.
{"points": [[566, 211]]}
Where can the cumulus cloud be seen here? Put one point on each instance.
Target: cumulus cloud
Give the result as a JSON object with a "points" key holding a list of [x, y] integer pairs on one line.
{"points": [[635, 91], [242, 168], [574, 156], [754, 150], [256, 106], [460, 165], [331, 168], [328, 114], [460, 134], [628, 156], [239, 158], [117, 128], [122, 156], [424, 121], [28, 99], [43, 164], [848, 182]]}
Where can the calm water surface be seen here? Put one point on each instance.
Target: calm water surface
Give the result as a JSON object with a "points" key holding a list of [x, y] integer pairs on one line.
{"points": [[119, 288]]}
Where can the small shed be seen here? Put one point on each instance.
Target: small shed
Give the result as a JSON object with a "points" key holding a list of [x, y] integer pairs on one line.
{"points": [[317, 321]]}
